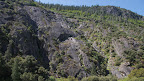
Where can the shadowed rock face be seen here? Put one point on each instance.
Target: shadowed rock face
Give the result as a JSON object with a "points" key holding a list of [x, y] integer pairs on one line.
{"points": [[38, 32], [64, 37]]}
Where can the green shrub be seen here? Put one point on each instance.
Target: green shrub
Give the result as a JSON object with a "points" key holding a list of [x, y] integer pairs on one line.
{"points": [[51, 78], [102, 78], [140, 65], [70, 78], [136, 79], [107, 78], [118, 61], [28, 76], [40, 78], [137, 73], [33, 4], [91, 78], [133, 79]]}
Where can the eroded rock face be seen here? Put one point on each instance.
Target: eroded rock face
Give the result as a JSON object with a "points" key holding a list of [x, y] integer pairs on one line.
{"points": [[34, 30], [121, 71], [115, 72], [67, 59], [40, 16], [115, 11], [125, 69], [73, 59], [120, 46], [51, 28], [59, 46]]}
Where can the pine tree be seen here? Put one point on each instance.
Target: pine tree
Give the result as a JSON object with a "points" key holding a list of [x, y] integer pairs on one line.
{"points": [[15, 71], [8, 53], [93, 70]]}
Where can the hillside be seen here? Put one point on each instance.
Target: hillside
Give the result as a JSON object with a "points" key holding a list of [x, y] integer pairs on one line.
{"points": [[47, 42]]}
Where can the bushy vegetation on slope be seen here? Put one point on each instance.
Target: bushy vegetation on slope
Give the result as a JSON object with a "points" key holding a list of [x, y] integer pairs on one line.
{"points": [[102, 26]]}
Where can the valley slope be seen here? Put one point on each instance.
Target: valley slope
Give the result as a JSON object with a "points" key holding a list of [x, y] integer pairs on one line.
{"points": [[44, 40]]}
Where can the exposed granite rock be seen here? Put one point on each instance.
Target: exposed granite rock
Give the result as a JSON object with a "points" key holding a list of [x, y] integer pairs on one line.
{"points": [[71, 64], [75, 62], [50, 38], [95, 47], [125, 69], [118, 48], [122, 71]]}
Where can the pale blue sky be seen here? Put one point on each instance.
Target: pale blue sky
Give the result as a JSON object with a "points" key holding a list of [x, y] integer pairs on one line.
{"points": [[133, 5]]}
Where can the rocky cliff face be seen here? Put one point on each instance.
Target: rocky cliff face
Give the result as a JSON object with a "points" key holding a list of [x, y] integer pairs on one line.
{"points": [[45, 35], [116, 11], [59, 46]]}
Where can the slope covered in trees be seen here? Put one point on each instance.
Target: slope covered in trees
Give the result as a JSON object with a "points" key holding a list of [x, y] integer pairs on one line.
{"points": [[52, 42]]}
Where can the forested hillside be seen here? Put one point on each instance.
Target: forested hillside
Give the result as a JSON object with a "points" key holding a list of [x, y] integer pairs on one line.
{"points": [[52, 42]]}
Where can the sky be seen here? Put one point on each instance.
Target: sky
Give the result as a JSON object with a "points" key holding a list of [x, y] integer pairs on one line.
{"points": [[136, 6]]}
